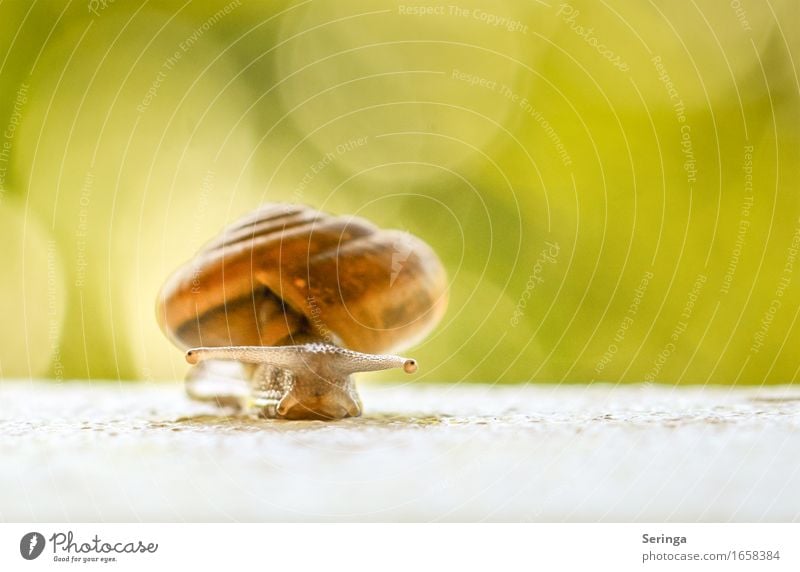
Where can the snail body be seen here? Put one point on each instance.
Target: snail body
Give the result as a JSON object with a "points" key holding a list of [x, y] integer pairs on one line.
{"points": [[302, 300]]}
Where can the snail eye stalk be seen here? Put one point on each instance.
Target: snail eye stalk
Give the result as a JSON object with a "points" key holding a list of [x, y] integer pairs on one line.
{"points": [[339, 361]]}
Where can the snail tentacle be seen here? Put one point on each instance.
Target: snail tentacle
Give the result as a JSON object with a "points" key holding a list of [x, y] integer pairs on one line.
{"points": [[339, 360], [347, 362], [280, 356]]}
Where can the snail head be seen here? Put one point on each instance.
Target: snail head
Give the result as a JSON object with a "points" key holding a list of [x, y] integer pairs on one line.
{"points": [[319, 379]]}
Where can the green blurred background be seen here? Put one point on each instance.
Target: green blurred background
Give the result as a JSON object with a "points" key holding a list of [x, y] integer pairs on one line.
{"points": [[613, 186]]}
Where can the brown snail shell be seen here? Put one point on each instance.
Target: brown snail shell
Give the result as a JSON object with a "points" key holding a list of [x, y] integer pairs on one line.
{"points": [[289, 274]]}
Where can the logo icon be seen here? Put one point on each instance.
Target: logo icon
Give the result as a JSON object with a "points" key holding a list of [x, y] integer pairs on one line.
{"points": [[31, 545]]}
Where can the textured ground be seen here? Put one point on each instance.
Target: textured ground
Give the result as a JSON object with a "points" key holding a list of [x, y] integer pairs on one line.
{"points": [[125, 452]]}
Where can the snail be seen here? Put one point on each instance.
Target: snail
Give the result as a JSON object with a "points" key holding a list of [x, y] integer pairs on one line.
{"points": [[297, 301]]}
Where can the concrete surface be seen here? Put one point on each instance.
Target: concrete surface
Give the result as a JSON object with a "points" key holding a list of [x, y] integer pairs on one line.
{"points": [[143, 452]]}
